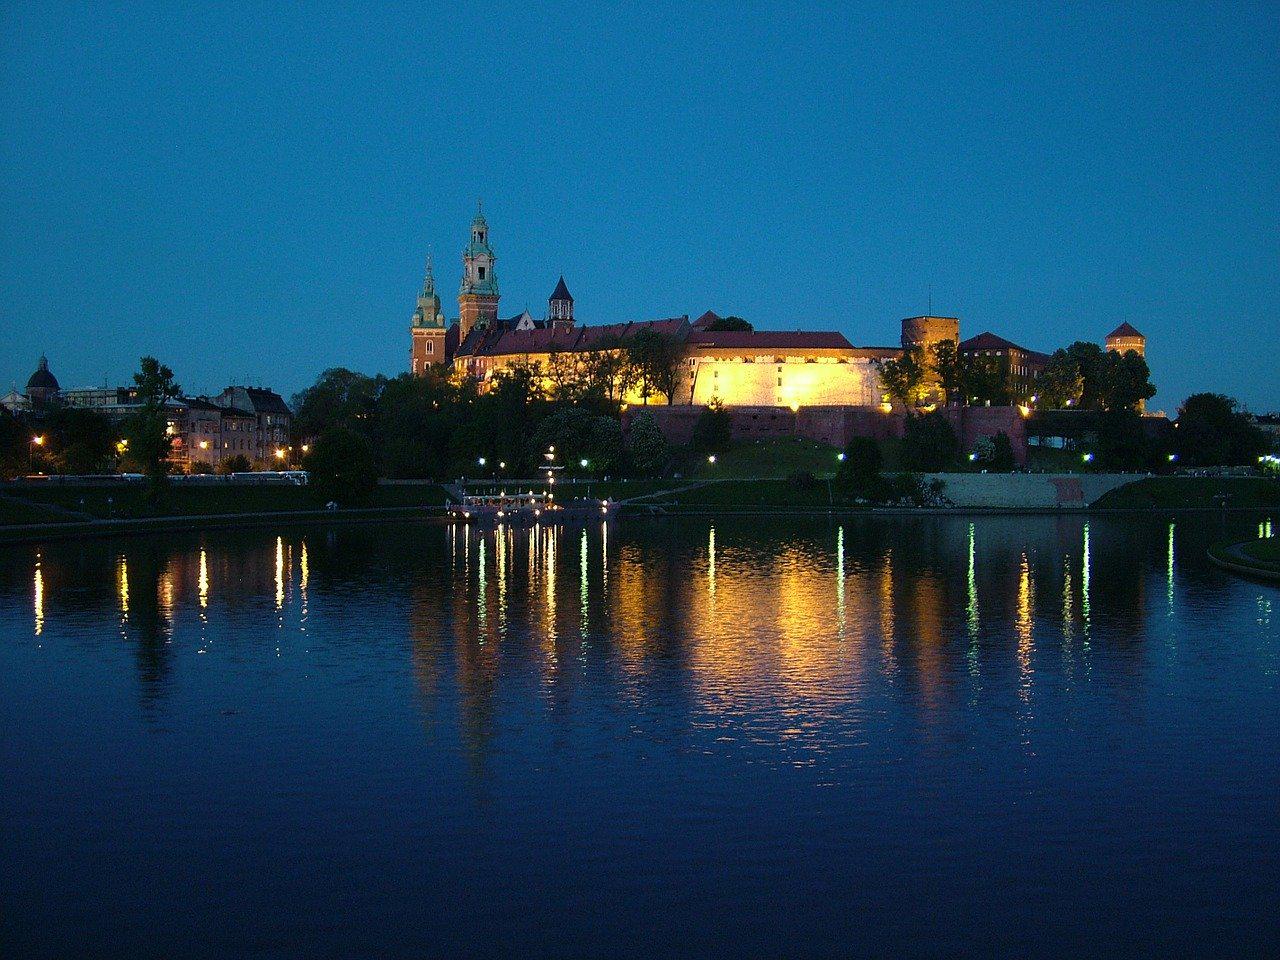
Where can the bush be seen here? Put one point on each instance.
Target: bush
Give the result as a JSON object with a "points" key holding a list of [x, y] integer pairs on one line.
{"points": [[200, 466], [646, 445], [1001, 453], [711, 434], [859, 471], [342, 466], [930, 445], [913, 490], [238, 463]]}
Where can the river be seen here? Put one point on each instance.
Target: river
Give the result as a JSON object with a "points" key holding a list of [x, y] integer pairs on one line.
{"points": [[1017, 736]]}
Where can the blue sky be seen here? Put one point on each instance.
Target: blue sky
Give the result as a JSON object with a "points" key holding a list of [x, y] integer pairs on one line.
{"points": [[249, 191]]}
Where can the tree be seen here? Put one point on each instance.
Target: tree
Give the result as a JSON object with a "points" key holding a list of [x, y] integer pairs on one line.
{"points": [[1212, 431], [730, 324], [1061, 383], [80, 440], [904, 377], [658, 360], [14, 445], [1121, 443], [929, 445], [147, 430], [607, 371], [949, 365], [713, 430], [578, 434], [342, 467], [985, 379], [646, 445], [339, 397], [1125, 381]]}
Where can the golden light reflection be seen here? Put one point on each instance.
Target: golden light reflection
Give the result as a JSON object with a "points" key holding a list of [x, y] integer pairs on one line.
{"points": [[122, 584], [482, 591], [549, 569], [711, 565], [38, 597], [1085, 562], [279, 573], [204, 579], [583, 590], [840, 607], [971, 604], [503, 551], [304, 577], [886, 615], [1023, 626]]}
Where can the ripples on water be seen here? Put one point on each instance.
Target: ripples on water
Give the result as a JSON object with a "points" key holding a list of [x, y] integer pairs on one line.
{"points": [[1026, 736]]}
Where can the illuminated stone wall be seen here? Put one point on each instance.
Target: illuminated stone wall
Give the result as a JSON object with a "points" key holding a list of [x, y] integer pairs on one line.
{"points": [[790, 381]]}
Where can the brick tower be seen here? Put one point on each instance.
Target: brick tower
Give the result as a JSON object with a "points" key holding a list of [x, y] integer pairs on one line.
{"points": [[427, 328], [478, 298]]}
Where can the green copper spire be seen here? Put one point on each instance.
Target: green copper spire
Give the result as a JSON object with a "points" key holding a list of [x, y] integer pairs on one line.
{"points": [[478, 275], [428, 313]]}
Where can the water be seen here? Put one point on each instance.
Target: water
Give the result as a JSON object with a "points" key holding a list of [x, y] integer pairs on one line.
{"points": [[1007, 736]]}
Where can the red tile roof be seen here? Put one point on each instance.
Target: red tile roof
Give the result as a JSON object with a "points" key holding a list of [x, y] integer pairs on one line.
{"points": [[706, 320], [770, 340], [496, 343], [990, 341], [1125, 330]]}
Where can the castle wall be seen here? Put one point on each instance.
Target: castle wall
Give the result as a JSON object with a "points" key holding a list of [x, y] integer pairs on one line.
{"points": [[834, 425], [793, 381]]}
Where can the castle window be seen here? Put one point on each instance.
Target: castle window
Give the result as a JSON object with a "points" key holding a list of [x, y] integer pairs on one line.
{"points": [[431, 347], [482, 273]]}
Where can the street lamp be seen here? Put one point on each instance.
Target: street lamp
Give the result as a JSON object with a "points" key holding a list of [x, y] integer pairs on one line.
{"points": [[481, 461], [582, 463], [840, 456], [1087, 458], [711, 459]]}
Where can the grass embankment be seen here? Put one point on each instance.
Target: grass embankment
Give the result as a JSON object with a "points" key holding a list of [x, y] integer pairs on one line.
{"points": [[767, 460], [133, 501], [751, 495], [1258, 558], [1182, 492]]}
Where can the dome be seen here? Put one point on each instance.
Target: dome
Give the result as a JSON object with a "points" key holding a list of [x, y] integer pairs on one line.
{"points": [[42, 379]]}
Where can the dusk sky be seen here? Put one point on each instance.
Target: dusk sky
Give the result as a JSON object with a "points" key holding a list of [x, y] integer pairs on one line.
{"points": [[249, 191]]}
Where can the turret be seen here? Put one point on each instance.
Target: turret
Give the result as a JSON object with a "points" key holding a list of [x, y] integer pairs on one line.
{"points": [[560, 307], [478, 296], [427, 327]]}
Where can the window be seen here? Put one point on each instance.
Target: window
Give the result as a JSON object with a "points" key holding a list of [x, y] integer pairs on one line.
{"points": [[482, 273], [431, 347]]}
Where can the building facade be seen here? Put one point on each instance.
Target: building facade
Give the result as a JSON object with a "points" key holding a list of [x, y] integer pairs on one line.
{"points": [[731, 367]]}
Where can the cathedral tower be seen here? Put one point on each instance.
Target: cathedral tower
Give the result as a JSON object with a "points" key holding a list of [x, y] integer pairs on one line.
{"points": [[560, 308], [478, 298], [427, 328]]}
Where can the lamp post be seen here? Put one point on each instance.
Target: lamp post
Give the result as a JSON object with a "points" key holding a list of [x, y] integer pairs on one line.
{"points": [[36, 441]]}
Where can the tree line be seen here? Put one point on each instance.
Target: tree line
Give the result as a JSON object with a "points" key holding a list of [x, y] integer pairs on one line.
{"points": [[1082, 376]]}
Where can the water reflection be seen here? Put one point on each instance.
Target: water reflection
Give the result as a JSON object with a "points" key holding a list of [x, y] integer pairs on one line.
{"points": [[808, 620]]}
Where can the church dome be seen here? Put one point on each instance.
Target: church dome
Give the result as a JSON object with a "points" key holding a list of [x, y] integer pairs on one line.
{"points": [[42, 379]]}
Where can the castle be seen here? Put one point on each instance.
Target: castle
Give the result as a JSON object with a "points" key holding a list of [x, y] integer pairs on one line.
{"points": [[734, 367]]}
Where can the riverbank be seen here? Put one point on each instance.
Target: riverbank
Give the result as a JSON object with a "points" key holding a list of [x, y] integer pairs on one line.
{"points": [[1253, 558], [28, 515]]}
